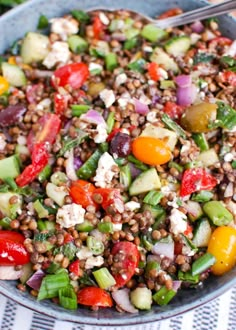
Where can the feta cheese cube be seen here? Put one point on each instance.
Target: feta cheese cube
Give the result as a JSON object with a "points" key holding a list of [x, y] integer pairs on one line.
{"points": [[108, 97], [178, 223], [94, 262], [64, 27], [59, 54], [104, 173], [70, 215]]}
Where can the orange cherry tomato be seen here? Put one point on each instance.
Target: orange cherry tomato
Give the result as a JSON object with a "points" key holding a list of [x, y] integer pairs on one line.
{"points": [[222, 245], [4, 85], [150, 150]]}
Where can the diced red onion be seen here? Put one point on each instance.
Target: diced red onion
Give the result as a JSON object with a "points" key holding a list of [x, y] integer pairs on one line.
{"points": [[140, 107], [93, 117], [186, 95], [134, 170], [36, 279], [197, 27], [155, 99], [176, 285], [121, 297], [12, 114], [9, 273], [183, 80], [67, 125], [70, 168], [77, 163], [164, 249]]}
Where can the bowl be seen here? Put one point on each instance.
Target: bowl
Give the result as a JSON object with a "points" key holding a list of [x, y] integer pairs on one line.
{"points": [[16, 23]]}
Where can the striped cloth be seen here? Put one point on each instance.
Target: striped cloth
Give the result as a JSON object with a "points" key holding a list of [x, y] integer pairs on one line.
{"points": [[220, 314]]}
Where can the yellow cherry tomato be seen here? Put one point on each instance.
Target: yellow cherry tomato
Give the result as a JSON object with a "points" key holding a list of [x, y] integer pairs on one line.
{"points": [[222, 245], [4, 85], [150, 150]]}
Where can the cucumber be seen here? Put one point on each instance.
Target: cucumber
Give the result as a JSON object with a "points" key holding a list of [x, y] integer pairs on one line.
{"points": [[145, 182], [161, 57], [39, 208], [88, 169], [208, 157], [141, 298], [77, 44], [9, 167], [5, 206], [34, 48], [202, 233], [169, 136], [178, 45], [153, 33], [57, 194], [13, 74]]}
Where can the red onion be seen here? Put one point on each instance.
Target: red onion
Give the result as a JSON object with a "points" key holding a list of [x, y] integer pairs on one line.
{"points": [[197, 27], [186, 95], [12, 114], [121, 297], [77, 163], [183, 80], [176, 285], [70, 168], [36, 279], [93, 117], [9, 273], [165, 249], [140, 107], [155, 99]]}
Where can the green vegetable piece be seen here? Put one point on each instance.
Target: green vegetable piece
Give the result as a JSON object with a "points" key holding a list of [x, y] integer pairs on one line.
{"points": [[225, 118], [156, 211], [69, 250], [228, 60], [153, 33], [111, 61], [110, 122], [140, 165], [203, 263], [141, 298], [152, 266], [79, 109], [51, 285], [80, 16], [130, 43], [202, 58], [138, 65], [58, 178], [153, 197], [96, 246], [45, 173], [167, 84], [203, 196], [145, 182], [233, 164], [57, 194], [201, 141], [85, 226], [175, 165], [173, 125], [67, 298], [188, 277], [217, 213], [13, 74], [77, 44], [42, 22], [53, 268], [15, 48], [34, 48], [163, 296], [131, 33], [87, 170], [105, 227], [39, 208], [125, 176], [178, 45], [5, 222], [146, 243], [69, 144], [104, 278], [8, 209]]}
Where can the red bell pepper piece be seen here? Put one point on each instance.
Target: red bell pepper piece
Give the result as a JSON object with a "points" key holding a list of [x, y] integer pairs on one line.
{"points": [[98, 27], [81, 192], [153, 71], [196, 179], [74, 267], [74, 75], [93, 296]]}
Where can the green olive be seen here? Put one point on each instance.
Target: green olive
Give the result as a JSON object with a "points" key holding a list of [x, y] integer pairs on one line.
{"points": [[95, 88], [198, 117]]}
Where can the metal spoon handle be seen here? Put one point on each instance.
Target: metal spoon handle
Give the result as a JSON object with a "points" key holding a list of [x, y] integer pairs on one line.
{"points": [[197, 14]]}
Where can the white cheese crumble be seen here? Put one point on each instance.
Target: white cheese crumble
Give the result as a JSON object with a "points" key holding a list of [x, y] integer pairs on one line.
{"points": [[117, 226], [108, 97], [104, 19], [132, 206], [64, 27], [124, 99], [163, 73], [120, 79], [151, 116], [228, 157], [104, 173], [70, 215], [178, 223], [84, 253], [94, 262], [44, 104], [194, 37], [95, 66], [59, 53], [2, 143], [101, 134]]}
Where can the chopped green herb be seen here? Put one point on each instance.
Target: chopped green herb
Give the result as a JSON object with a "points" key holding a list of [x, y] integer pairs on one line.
{"points": [[202, 58], [131, 43], [138, 65], [72, 143], [226, 117], [69, 250], [228, 60]]}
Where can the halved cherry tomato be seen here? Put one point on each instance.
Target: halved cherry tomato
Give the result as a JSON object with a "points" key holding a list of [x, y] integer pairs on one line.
{"points": [[49, 125], [39, 161], [153, 71], [150, 150], [12, 250], [74, 267], [171, 12], [81, 193], [74, 75], [126, 258], [174, 110], [112, 201], [229, 77], [60, 103], [222, 245], [98, 27], [196, 179], [93, 296]]}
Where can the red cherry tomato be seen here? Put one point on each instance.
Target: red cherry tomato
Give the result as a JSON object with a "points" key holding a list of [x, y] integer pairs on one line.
{"points": [[153, 71], [171, 12], [49, 125], [126, 258], [74, 267], [81, 193], [60, 103], [112, 201], [74, 75], [93, 296], [174, 110], [196, 179], [98, 27], [229, 77], [12, 250]]}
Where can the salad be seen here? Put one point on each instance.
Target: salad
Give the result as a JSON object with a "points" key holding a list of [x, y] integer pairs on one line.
{"points": [[117, 159]]}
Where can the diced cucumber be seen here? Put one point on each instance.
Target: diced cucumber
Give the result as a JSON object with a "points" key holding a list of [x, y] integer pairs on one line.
{"points": [[202, 233], [141, 298], [194, 210], [39, 208], [131, 33], [57, 194], [178, 45], [161, 57], [169, 136], [145, 182], [34, 48], [13, 74], [153, 33], [5, 206], [9, 167], [208, 157], [77, 44]]}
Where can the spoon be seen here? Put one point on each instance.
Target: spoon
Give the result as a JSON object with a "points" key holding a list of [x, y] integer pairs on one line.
{"points": [[194, 15]]}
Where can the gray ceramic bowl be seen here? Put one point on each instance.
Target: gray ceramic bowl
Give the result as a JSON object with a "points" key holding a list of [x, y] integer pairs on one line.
{"points": [[24, 18]]}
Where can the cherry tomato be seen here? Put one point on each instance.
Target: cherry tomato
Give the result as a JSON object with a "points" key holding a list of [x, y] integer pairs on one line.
{"points": [[74, 267], [126, 258], [112, 201], [98, 27], [81, 193], [74, 75], [93, 296], [68, 238], [4, 85], [39, 161], [49, 125], [173, 110], [153, 71], [229, 77], [60, 103], [12, 250], [150, 150], [171, 12], [196, 179], [222, 245]]}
